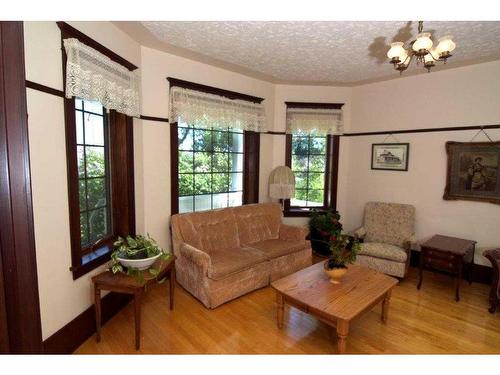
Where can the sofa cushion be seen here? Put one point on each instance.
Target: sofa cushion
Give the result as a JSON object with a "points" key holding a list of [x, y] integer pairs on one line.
{"points": [[209, 231], [383, 251], [229, 261], [257, 222], [275, 247]]}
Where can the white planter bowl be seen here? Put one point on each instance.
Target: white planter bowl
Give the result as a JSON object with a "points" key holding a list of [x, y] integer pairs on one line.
{"points": [[139, 264]]}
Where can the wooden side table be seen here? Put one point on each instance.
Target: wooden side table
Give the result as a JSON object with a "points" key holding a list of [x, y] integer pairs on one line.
{"points": [[448, 254], [122, 283]]}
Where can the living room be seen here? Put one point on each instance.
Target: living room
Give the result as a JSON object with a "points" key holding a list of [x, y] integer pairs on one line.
{"points": [[247, 171]]}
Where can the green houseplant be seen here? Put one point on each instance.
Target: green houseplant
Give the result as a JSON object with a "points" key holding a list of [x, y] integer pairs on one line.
{"points": [[343, 251], [133, 255], [323, 225]]}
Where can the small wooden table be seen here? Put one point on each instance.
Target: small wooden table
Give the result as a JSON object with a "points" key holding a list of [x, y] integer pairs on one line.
{"points": [[311, 291], [122, 283], [447, 254]]}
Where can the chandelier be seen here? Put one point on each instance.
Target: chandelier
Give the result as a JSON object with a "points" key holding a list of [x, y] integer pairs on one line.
{"points": [[421, 49]]}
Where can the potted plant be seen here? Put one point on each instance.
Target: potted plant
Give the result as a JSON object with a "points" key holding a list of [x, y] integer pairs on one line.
{"points": [[323, 225], [343, 251], [132, 255]]}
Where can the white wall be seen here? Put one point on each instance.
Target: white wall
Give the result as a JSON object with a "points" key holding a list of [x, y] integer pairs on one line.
{"points": [[455, 97], [61, 298]]}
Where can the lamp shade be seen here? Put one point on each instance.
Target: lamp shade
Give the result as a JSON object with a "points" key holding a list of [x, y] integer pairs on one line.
{"points": [[396, 50], [445, 45], [281, 183], [423, 42]]}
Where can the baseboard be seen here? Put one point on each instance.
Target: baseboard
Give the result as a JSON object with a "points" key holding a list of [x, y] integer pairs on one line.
{"points": [[480, 274], [73, 334]]}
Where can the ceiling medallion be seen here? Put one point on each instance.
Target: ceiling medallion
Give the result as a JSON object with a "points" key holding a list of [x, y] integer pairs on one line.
{"points": [[421, 48]]}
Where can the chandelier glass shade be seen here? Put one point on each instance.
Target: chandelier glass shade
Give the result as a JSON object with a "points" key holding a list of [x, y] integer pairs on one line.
{"points": [[421, 49]]}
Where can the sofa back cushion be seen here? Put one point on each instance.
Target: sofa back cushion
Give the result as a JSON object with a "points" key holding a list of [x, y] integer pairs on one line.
{"points": [[208, 231], [258, 222], [390, 223]]}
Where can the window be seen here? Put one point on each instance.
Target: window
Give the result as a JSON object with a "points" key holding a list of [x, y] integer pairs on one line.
{"points": [[210, 168], [309, 167], [93, 173]]}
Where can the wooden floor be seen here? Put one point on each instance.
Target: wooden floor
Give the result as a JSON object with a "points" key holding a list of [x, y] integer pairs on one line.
{"points": [[425, 321]]}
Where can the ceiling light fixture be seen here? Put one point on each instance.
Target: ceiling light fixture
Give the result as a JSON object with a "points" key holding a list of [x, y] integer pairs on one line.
{"points": [[421, 48]]}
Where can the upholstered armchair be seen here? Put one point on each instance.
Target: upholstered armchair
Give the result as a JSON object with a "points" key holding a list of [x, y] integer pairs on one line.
{"points": [[388, 234], [494, 258]]}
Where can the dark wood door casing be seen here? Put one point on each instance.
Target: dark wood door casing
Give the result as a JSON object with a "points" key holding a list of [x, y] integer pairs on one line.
{"points": [[17, 240]]}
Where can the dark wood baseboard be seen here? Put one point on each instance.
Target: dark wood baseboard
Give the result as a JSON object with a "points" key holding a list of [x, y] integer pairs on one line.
{"points": [[73, 334], [480, 274]]}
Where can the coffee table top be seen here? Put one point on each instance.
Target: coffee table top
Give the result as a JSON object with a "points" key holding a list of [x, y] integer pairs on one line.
{"points": [[449, 244], [359, 289]]}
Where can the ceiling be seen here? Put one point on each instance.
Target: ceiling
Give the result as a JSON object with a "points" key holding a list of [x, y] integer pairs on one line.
{"points": [[300, 52]]}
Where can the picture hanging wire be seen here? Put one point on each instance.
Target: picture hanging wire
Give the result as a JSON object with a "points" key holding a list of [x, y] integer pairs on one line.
{"points": [[481, 130], [393, 137]]}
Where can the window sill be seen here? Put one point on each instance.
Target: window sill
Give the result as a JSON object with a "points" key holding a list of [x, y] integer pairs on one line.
{"points": [[300, 212], [91, 261]]}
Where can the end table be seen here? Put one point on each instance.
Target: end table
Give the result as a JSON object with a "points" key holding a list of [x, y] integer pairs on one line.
{"points": [[122, 283], [448, 254]]}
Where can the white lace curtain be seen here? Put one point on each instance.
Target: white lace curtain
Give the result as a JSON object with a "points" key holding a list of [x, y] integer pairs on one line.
{"points": [[90, 75], [314, 121], [208, 110]]}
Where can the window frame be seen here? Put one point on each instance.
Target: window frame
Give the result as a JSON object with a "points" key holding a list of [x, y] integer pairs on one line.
{"points": [[331, 167], [121, 170]]}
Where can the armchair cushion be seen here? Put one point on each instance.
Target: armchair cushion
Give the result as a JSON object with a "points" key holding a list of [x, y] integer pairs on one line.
{"points": [[226, 262], [383, 251], [276, 248]]}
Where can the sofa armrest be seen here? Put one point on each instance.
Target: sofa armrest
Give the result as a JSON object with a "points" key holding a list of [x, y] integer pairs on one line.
{"points": [[293, 233], [195, 256], [359, 233]]}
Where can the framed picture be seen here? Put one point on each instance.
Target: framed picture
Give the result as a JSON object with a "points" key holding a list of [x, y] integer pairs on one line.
{"points": [[390, 156], [473, 171]]}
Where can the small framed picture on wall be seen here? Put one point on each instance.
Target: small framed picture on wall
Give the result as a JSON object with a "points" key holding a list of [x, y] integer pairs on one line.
{"points": [[390, 156]]}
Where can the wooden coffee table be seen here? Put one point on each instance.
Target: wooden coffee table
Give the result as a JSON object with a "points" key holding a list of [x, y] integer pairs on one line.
{"points": [[311, 291]]}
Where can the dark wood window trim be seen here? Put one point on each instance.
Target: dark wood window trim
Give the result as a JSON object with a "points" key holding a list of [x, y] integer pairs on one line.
{"points": [[121, 160], [331, 168]]}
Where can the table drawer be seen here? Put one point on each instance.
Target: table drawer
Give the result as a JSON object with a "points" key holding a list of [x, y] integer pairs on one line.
{"points": [[440, 263], [439, 254]]}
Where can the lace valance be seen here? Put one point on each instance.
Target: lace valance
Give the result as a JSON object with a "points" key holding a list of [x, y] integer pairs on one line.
{"points": [[90, 75], [208, 110], [314, 121]]}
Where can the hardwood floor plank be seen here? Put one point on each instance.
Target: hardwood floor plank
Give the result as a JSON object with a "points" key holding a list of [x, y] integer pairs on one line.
{"points": [[420, 322]]}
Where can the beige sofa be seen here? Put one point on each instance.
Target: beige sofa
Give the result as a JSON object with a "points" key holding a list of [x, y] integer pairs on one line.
{"points": [[223, 254]]}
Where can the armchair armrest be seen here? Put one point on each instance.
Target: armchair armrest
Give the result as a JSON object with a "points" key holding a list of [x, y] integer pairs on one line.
{"points": [[410, 243], [293, 233], [359, 233], [198, 257]]}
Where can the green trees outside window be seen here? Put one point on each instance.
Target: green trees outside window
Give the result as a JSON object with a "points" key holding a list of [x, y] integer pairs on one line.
{"points": [[210, 168], [309, 165], [93, 171]]}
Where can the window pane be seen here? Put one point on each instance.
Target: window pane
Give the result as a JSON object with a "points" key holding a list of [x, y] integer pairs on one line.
{"points": [[94, 130], [300, 145], [78, 103], [82, 195], [81, 161], [96, 192], [317, 163], [202, 140], [202, 162], [235, 181], [203, 202], [84, 229], [220, 200], [317, 145], [186, 162], [186, 204], [220, 162], [185, 139], [79, 127], [98, 224], [315, 198], [236, 142], [96, 161], [316, 181], [301, 180], [220, 141], [186, 184], [94, 107], [236, 162], [299, 163], [202, 183], [220, 182], [235, 199]]}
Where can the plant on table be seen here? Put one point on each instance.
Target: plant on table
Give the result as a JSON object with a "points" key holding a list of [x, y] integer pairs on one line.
{"points": [[344, 249], [135, 248]]}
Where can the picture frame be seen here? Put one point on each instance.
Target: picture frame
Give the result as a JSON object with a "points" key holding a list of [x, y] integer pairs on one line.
{"points": [[390, 156], [473, 171]]}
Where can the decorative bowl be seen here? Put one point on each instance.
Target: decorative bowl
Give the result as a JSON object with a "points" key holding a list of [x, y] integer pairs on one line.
{"points": [[335, 274], [139, 264]]}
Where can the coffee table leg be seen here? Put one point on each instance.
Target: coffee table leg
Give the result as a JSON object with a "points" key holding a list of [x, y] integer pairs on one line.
{"points": [[137, 303], [172, 286], [385, 306], [280, 309], [342, 332], [97, 302]]}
